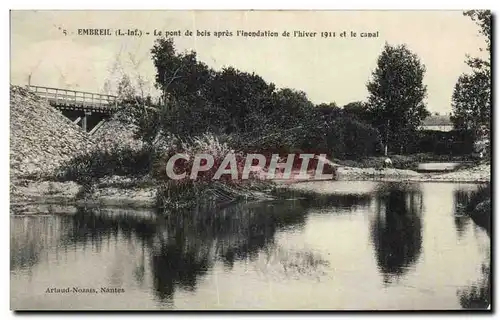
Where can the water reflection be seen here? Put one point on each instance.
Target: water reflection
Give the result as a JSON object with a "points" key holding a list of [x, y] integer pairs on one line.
{"points": [[466, 200], [290, 244], [461, 199], [478, 295], [173, 266], [30, 239], [397, 229], [182, 246]]}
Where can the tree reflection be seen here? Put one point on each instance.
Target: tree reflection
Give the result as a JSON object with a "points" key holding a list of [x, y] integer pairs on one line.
{"points": [[31, 237], [478, 295], [182, 246], [461, 199], [475, 204], [396, 230], [178, 248], [174, 266]]}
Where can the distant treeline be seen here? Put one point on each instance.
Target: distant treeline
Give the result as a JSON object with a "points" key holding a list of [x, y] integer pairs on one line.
{"points": [[241, 109], [250, 114]]}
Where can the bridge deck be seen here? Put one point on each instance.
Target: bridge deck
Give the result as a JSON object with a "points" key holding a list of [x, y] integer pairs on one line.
{"points": [[71, 99]]}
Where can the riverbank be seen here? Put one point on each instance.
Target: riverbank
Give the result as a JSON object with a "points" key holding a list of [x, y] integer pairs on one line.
{"points": [[112, 191], [476, 174], [130, 192], [142, 192], [54, 161]]}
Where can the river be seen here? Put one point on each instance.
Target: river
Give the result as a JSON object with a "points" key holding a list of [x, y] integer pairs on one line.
{"points": [[362, 245]]}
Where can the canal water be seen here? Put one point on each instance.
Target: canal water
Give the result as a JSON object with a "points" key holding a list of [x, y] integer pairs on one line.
{"points": [[358, 246]]}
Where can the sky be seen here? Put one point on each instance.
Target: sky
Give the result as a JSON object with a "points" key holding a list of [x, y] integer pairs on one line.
{"points": [[46, 49]]}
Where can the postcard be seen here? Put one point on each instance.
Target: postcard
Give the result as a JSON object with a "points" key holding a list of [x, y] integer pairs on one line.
{"points": [[250, 160]]}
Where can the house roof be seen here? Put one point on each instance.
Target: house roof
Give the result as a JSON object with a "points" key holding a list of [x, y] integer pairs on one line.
{"points": [[441, 120]]}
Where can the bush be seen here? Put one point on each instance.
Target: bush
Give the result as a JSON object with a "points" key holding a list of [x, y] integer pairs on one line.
{"points": [[339, 136], [355, 139], [114, 160], [482, 194], [443, 143], [204, 144]]}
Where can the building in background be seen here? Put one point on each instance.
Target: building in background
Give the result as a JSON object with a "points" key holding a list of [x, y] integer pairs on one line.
{"points": [[437, 122]]}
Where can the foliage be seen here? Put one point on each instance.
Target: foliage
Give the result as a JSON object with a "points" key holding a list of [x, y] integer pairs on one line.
{"points": [[250, 113], [203, 190], [144, 115], [358, 139], [471, 99], [455, 142], [483, 193], [180, 76], [103, 162], [483, 19], [397, 94], [242, 109], [194, 119], [359, 110], [125, 89], [241, 96], [477, 204], [207, 144]]}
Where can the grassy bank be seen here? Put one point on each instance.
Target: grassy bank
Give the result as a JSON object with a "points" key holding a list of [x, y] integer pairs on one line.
{"points": [[124, 169], [126, 175]]}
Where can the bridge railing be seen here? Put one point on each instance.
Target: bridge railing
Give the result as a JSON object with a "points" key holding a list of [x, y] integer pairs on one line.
{"points": [[72, 97]]}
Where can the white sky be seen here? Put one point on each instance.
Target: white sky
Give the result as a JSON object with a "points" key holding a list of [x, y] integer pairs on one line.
{"points": [[328, 70]]}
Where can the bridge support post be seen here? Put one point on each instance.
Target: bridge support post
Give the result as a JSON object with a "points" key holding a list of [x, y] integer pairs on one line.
{"points": [[84, 120]]}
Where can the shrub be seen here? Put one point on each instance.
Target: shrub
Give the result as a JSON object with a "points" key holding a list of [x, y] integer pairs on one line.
{"points": [[454, 142], [204, 190], [204, 144], [482, 194], [355, 139], [113, 160], [479, 207]]}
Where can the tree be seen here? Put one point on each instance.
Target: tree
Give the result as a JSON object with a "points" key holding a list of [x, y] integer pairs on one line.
{"points": [[483, 19], [471, 100], [397, 96], [125, 89], [328, 111], [245, 97], [179, 75], [358, 110]]}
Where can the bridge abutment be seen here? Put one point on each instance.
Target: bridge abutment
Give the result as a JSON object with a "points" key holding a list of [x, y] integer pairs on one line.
{"points": [[87, 109], [87, 120]]}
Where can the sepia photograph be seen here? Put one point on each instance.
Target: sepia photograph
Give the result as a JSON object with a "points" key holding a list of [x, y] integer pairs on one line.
{"points": [[250, 160]]}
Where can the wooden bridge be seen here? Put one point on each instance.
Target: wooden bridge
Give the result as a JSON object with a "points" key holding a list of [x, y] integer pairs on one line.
{"points": [[72, 100], [86, 108]]}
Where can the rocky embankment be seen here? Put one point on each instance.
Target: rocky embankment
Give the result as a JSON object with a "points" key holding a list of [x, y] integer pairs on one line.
{"points": [[41, 138], [116, 133]]}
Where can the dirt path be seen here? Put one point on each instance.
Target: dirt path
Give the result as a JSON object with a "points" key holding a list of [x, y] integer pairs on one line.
{"points": [[480, 173]]}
